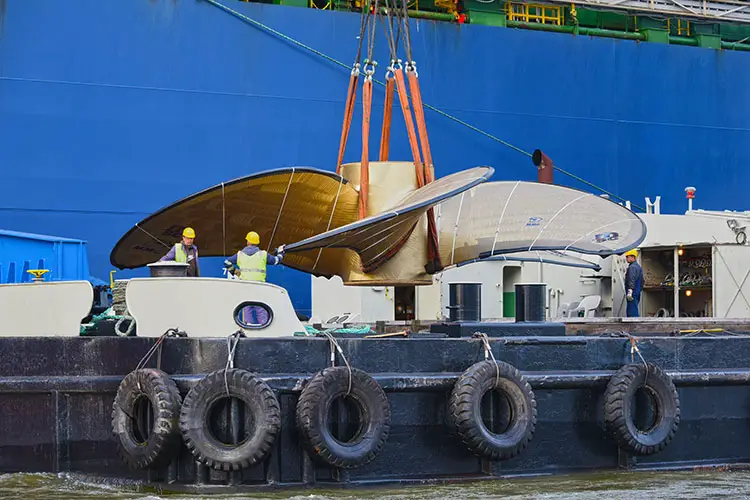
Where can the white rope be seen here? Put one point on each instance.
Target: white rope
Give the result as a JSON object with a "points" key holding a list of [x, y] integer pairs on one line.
{"points": [[154, 237], [455, 227], [502, 215], [390, 230], [555, 216], [223, 221], [595, 231], [281, 209], [386, 249], [330, 219]]}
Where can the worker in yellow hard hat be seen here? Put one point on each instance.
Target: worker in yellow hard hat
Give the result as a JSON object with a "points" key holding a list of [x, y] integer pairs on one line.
{"points": [[633, 283], [250, 262], [186, 252]]}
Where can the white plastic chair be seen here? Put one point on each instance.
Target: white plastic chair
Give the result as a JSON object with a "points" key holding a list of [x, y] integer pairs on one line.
{"points": [[571, 307], [588, 306]]}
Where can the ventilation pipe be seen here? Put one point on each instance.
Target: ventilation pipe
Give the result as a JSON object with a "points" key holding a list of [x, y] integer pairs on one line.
{"points": [[544, 167]]}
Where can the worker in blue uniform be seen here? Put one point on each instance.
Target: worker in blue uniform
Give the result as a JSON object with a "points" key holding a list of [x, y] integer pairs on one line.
{"points": [[633, 283]]}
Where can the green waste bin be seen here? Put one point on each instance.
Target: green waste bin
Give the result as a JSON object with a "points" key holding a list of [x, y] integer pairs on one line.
{"points": [[509, 304]]}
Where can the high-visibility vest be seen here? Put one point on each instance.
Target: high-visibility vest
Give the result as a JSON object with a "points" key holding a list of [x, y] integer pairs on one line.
{"points": [[252, 267], [179, 253]]}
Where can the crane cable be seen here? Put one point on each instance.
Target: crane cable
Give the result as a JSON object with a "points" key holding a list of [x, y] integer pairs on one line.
{"points": [[335, 61], [390, 87], [351, 94]]}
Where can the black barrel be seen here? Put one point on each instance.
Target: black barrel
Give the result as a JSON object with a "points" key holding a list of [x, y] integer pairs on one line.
{"points": [[531, 300], [465, 301], [168, 269]]}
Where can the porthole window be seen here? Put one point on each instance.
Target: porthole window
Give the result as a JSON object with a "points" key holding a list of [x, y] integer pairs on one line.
{"points": [[253, 315]]}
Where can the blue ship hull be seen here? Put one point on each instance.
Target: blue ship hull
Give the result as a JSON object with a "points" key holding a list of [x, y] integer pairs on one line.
{"points": [[110, 110]]}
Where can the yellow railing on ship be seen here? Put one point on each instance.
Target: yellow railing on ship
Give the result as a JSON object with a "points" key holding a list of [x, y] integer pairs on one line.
{"points": [[683, 26], [534, 13], [321, 5]]}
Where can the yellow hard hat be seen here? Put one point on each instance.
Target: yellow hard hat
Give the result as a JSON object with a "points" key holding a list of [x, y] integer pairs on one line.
{"points": [[253, 238], [632, 252], [188, 232]]}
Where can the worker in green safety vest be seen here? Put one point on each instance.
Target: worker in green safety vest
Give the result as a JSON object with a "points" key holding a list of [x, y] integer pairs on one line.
{"points": [[186, 252], [250, 263]]}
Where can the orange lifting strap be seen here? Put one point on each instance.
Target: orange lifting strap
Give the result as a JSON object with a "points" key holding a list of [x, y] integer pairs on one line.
{"points": [[401, 89], [395, 83], [385, 134], [416, 96], [364, 173], [432, 239], [433, 250], [368, 67], [351, 95]]}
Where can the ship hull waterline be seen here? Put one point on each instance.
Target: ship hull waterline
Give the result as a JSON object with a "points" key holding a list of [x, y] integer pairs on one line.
{"points": [[69, 385]]}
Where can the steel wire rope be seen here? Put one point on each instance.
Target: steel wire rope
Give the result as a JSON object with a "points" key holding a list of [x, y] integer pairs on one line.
{"points": [[289, 39]]}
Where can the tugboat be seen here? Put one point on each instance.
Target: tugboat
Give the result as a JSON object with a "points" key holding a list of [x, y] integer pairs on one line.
{"points": [[198, 399], [187, 394]]}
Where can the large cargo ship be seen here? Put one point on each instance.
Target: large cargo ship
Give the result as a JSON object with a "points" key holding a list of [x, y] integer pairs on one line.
{"points": [[110, 110]]}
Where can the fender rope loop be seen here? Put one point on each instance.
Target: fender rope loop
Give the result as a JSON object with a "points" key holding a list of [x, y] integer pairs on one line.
{"points": [[488, 352]]}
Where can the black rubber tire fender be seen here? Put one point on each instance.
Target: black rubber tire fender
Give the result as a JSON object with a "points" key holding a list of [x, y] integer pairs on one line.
{"points": [[465, 403], [619, 406], [259, 400], [374, 416], [163, 440]]}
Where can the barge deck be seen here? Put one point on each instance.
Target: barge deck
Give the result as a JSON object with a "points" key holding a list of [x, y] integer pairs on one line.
{"points": [[69, 385]]}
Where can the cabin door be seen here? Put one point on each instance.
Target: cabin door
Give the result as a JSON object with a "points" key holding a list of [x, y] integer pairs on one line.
{"points": [[731, 281]]}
